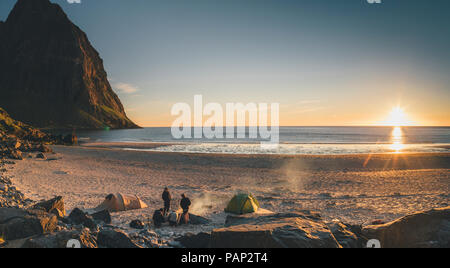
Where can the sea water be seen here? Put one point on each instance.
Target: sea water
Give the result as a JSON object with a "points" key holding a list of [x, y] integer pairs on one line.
{"points": [[293, 140]]}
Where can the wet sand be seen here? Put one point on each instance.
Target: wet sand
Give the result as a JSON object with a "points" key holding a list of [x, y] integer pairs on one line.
{"points": [[353, 188]]}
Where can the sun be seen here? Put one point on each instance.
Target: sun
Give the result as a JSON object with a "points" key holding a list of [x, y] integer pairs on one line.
{"points": [[397, 118]]}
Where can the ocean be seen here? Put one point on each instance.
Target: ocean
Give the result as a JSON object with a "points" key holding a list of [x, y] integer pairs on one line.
{"points": [[293, 140]]}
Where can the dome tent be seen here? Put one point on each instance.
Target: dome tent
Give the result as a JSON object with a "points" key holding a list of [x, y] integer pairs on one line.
{"points": [[120, 202], [243, 204]]}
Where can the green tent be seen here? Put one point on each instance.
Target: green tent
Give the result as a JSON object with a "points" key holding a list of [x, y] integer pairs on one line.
{"points": [[242, 204]]}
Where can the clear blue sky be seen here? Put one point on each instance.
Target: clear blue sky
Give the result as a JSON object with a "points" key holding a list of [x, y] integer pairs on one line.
{"points": [[326, 62]]}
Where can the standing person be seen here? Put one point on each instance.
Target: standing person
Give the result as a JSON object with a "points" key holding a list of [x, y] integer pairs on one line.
{"points": [[185, 204], [167, 198]]}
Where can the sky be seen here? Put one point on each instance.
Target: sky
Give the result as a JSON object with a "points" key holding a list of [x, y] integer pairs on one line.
{"points": [[326, 62]]}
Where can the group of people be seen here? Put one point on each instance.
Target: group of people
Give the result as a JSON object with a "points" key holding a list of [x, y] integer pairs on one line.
{"points": [[174, 219]]}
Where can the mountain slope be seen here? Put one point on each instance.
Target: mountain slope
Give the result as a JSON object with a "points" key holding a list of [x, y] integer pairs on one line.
{"points": [[50, 75]]}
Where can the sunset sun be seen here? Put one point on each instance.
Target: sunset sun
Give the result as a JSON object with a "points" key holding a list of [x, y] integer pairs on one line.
{"points": [[397, 117]]}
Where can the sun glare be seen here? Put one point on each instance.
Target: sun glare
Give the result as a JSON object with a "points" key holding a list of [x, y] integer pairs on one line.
{"points": [[397, 139], [397, 118]]}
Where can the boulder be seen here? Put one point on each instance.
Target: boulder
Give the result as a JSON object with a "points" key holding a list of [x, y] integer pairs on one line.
{"points": [[15, 155], [115, 238], [233, 220], [14, 144], [77, 216], [43, 148], [3, 187], [41, 156], [137, 224], [103, 216], [344, 235], [70, 139], [18, 223], [55, 206], [201, 240], [198, 220], [282, 230], [60, 239], [429, 229]]}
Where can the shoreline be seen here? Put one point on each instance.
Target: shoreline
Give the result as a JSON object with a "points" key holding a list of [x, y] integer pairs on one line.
{"points": [[290, 150], [149, 146]]}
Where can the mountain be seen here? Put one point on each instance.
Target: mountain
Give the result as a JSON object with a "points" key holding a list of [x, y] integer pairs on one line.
{"points": [[50, 75]]}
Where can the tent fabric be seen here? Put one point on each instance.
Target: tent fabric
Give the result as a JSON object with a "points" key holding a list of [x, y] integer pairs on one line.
{"points": [[120, 202], [243, 204]]}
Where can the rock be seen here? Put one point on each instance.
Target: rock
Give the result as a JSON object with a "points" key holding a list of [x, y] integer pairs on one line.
{"points": [[148, 233], [70, 139], [25, 147], [232, 220], [201, 240], [429, 229], [103, 216], [14, 144], [17, 135], [55, 206], [65, 82], [283, 230], [175, 244], [44, 149], [18, 223], [137, 224], [377, 222], [77, 216], [15, 155], [198, 220], [60, 239], [143, 241], [343, 234], [58, 213], [115, 239], [41, 156], [3, 187]]}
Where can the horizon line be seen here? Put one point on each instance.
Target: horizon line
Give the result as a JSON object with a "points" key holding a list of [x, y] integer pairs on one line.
{"points": [[443, 126]]}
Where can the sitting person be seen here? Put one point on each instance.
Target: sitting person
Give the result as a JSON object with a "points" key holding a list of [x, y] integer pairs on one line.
{"points": [[173, 218], [158, 218]]}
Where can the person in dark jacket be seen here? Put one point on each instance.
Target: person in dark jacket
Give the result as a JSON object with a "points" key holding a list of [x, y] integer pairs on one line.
{"points": [[167, 198], [185, 204], [158, 218]]}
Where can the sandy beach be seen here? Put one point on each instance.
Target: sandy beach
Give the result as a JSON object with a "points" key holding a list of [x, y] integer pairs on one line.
{"points": [[354, 188]]}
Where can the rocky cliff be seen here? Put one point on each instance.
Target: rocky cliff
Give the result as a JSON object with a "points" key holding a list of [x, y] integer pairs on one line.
{"points": [[50, 75]]}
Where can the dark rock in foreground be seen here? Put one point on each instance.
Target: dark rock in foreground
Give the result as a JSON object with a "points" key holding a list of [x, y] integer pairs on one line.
{"points": [[347, 236], [198, 220], [103, 216], [137, 224], [18, 223], [115, 239], [77, 216], [283, 230], [54, 206], [429, 229], [60, 239], [201, 240]]}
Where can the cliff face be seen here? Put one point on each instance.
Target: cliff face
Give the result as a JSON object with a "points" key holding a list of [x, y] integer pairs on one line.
{"points": [[50, 75]]}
